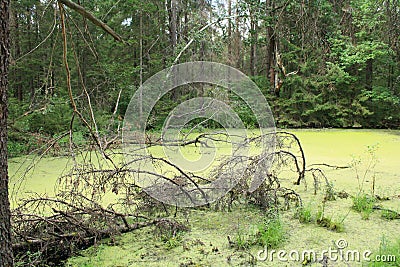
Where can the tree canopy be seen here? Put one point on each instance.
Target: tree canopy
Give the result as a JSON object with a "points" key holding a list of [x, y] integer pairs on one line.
{"points": [[319, 63]]}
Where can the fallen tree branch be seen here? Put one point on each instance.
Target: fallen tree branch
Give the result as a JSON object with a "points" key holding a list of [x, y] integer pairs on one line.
{"points": [[34, 243], [329, 166], [92, 18]]}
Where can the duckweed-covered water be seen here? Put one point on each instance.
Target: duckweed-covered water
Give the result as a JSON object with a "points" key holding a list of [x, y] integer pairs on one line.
{"points": [[372, 154]]}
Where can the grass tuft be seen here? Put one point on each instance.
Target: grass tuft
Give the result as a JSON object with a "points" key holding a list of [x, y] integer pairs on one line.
{"points": [[271, 232], [364, 204], [304, 214], [268, 233]]}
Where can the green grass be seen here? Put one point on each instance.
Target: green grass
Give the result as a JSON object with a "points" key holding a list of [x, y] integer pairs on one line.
{"points": [[304, 214], [388, 253], [364, 204], [173, 241], [269, 233], [390, 215]]}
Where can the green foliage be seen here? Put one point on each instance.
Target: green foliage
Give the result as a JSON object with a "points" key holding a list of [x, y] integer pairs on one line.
{"points": [[245, 113], [364, 204], [53, 119], [172, 241], [336, 75], [22, 143], [304, 214], [330, 85], [30, 259], [271, 232], [79, 138], [390, 215], [16, 149], [268, 233], [243, 240], [328, 222], [388, 253], [383, 104], [170, 233]]}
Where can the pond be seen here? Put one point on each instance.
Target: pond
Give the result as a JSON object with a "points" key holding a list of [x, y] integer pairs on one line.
{"points": [[372, 154], [331, 146]]}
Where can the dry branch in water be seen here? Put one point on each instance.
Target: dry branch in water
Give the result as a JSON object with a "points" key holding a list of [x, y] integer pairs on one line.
{"points": [[77, 217]]}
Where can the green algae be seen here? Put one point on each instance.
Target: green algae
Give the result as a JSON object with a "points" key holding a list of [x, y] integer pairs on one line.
{"points": [[206, 244]]}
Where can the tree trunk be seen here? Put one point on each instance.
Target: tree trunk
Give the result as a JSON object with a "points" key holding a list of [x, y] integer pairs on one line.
{"points": [[141, 66], [173, 28], [253, 45], [30, 46], [237, 37], [270, 47], [185, 29], [17, 53], [229, 33], [6, 254]]}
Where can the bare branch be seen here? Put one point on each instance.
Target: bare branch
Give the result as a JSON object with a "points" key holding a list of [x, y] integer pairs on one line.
{"points": [[92, 18]]}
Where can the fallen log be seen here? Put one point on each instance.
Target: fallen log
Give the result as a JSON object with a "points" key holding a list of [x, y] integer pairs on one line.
{"points": [[58, 247]]}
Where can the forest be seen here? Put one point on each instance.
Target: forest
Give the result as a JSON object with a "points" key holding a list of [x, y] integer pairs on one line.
{"points": [[320, 64], [329, 71]]}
